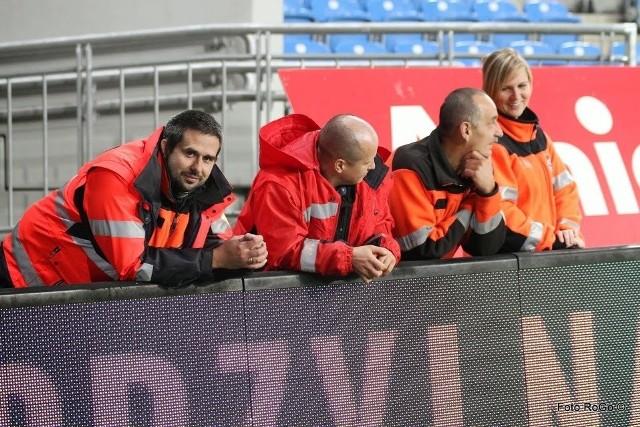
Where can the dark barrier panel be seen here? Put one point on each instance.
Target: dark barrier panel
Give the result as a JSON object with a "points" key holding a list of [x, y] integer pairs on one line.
{"points": [[435, 345], [580, 324], [147, 358], [498, 341]]}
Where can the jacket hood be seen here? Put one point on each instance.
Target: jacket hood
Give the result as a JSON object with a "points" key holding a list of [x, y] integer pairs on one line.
{"points": [[289, 142]]}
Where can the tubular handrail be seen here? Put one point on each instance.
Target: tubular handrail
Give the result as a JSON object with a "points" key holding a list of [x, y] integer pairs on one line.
{"points": [[81, 65]]}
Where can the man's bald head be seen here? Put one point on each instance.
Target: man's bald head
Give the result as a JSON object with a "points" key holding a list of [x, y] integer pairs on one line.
{"points": [[347, 147], [347, 137]]}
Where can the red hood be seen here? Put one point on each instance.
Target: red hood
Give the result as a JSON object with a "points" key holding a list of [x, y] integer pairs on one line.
{"points": [[289, 142]]}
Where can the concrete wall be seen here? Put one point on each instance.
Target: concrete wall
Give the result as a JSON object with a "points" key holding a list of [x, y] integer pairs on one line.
{"points": [[27, 20], [35, 19]]}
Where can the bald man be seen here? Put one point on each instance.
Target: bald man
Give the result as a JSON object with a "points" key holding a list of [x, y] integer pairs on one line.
{"points": [[320, 198], [445, 194]]}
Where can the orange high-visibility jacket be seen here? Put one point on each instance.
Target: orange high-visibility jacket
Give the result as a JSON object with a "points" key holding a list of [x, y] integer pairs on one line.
{"points": [[539, 195], [99, 226], [298, 211], [435, 210]]}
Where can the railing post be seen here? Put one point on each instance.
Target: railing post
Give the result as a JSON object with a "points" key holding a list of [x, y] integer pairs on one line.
{"points": [[79, 105], [89, 110], [223, 107], [122, 108], [10, 149], [156, 97], [268, 76], [45, 136], [254, 151], [190, 86]]}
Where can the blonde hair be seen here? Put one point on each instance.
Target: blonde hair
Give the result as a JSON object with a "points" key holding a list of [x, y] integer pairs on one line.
{"points": [[498, 66]]}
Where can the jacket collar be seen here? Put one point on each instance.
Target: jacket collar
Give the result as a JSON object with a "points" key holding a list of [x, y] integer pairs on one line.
{"points": [[149, 182], [522, 129], [443, 172]]}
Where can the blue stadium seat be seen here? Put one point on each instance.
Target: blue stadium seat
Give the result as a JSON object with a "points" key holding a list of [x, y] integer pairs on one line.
{"points": [[359, 48], [297, 11], [506, 39], [581, 49], [392, 40], [336, 39], [305, 47], [498, 11], [458, 38], [549, 11], [418, 48], [392, 10], [338, 10], [295, 38], [528, 48], [557, 40], [446, 10], [619, 51], [475, 48]]}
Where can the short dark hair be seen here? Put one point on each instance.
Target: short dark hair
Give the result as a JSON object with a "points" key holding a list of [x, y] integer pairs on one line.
{"points": [[190, 120], [459, 106]]}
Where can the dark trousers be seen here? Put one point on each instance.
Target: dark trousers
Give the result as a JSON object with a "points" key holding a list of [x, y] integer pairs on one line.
{"points": [[5, 279]]}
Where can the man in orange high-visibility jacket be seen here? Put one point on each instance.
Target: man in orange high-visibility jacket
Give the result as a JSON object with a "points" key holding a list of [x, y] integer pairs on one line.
{"points": [[150, 210], [320, 198], [445, 194]]}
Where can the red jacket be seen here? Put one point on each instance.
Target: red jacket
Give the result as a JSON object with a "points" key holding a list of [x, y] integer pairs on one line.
{"points": [[99, 226], [539, 195], [297, 210]]}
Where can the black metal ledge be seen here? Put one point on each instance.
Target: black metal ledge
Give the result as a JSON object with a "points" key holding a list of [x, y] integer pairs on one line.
{"points": [[107, 291], [567, 257], [404, 270]]}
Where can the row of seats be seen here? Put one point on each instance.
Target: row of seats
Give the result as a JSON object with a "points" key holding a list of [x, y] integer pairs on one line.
{"points": [[470, 52], [440, 10], [402, 43], [426, 10]]}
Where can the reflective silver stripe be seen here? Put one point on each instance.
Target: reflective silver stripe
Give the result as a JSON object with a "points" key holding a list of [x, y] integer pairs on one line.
{"points": [[91, 253], [318, 211], [109, 228], [572, 224], [535, 235], [562, 180], [464, 217], [144, 272], [415, 238], [309, 255], [509, 193], [486, 227], [220, 226], [60, 210], [27, 270], [84, 244]]}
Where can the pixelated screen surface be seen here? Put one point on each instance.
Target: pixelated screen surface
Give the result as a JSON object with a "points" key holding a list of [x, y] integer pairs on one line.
{"points": [[580, 329], [150, 362], [414, 352], [543, 346]]}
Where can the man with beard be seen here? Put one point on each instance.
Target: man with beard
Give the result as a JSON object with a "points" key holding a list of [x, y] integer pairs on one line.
{"points": [[151, 210]]}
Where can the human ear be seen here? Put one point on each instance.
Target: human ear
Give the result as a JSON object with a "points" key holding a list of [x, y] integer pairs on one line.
{"points": [[465, 130]]}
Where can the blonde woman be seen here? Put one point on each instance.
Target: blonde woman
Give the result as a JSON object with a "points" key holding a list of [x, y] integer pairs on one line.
{"points": [[539, 195]]}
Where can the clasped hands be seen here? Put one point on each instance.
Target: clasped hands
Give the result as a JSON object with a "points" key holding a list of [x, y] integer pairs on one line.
{"points": [[248, 251]]}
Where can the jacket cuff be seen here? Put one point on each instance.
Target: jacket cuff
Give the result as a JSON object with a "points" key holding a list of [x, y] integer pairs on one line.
{"points": [[206, 261], [491, 193]]}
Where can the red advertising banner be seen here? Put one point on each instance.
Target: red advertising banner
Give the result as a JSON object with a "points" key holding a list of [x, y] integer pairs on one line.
{"points": [[589, 112]]}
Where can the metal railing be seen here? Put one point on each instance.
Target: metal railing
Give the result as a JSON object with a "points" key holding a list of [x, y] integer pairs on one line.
{"points": [[106, 74]]}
